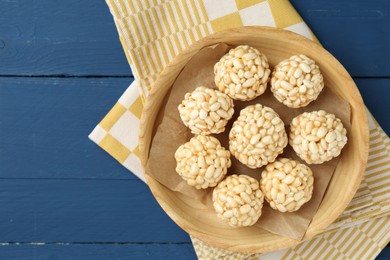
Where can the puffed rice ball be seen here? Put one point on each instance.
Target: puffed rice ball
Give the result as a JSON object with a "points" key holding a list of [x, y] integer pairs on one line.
{"points": [[317, 136], [202, 161], [243, 73], [257, 136], [206, 111], [296, 81], [238, 200], [287, 184]]}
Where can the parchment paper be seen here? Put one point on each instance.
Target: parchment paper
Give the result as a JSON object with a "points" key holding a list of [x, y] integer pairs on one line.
{"points": [[170, 133]]}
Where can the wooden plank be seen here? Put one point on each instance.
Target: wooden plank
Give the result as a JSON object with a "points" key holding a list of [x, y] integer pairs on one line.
{"points": [[375, 93], [45, 123], [50, 37], [97, 251], [356, 32], [385, 254], [78, 37], [47, 210]]}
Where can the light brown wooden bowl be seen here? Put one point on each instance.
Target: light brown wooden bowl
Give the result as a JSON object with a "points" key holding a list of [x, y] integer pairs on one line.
{"points": [[277, 44]]}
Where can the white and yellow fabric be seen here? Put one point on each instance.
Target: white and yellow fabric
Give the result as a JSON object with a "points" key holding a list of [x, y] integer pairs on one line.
{"points": [[153, 32]]}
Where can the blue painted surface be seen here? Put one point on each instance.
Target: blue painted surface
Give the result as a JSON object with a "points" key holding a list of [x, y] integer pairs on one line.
{"points": [[375, 93], [61, 197], [97, 252], [78, 37], [355, 32], [83, 210], [45, 122], [46, 37]]}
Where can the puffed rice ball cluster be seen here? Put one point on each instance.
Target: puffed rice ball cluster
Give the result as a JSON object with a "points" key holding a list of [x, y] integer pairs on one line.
{"points": [[296, 81], [243, 73], [258, 136], [317, 136], [287, 184], [206, 111], [202, 161], [238, 200]]}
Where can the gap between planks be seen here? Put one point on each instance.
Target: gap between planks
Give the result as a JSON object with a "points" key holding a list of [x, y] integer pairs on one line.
{"points": [[66, 76], [94, 243]]}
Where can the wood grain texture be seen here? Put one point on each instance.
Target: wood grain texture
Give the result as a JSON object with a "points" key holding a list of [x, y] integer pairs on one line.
{"points": [[46, 210], [97, 251], [73, 37], [278, 44], [355, 32], [45, 124], [51, 37], [375, 93]]}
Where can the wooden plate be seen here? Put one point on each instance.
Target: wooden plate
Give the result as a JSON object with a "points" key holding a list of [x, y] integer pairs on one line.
{"points": [[277, 44]]}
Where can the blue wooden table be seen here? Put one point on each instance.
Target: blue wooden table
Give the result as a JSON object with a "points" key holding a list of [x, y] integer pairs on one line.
{"points": [[61, 69]]}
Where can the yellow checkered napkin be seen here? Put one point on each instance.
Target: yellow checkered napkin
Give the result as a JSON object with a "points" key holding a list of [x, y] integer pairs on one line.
{"points": [[152, 32]]}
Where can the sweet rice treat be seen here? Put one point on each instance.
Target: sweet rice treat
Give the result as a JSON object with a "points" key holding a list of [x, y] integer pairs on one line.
{"points": [[317, 136], [287, 184], [243, 73], [257, 136], [206, 111], [296, 81], [238, 200], [202, 161]]}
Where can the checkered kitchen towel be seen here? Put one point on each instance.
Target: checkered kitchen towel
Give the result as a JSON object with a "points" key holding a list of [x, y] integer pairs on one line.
{"points": [[153, 32]]}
